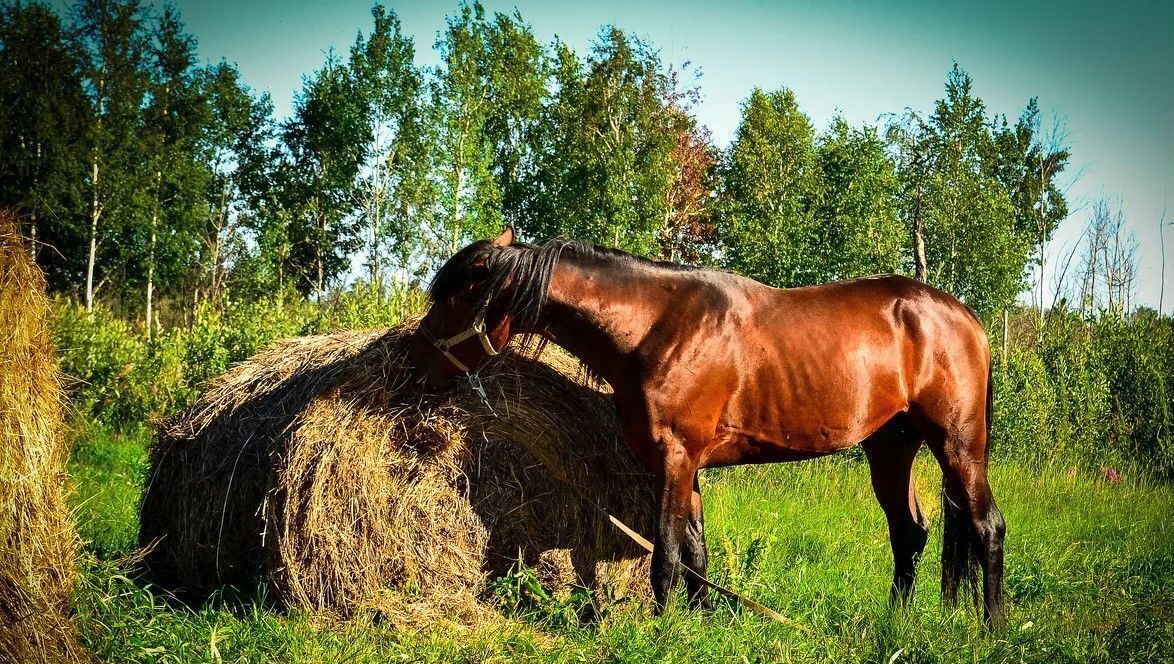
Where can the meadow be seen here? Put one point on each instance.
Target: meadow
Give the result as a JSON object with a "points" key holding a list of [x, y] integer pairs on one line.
{"points": [[1090, 558], [1090, 567], [183, 221]]}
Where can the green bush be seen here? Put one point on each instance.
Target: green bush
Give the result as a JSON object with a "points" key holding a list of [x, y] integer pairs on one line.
{"points": [[1138, 360], [113, 374], [1025, 409], [1089, 393], [119, 379]]}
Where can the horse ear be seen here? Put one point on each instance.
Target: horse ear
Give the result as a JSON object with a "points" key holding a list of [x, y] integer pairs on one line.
{"points": [[506, 238]]}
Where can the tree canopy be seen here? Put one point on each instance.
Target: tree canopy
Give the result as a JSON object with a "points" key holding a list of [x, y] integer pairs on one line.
{"points": [[147, 176]]}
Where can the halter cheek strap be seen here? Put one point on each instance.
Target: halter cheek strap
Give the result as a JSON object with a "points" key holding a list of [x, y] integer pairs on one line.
{"points": [[445, 346]]}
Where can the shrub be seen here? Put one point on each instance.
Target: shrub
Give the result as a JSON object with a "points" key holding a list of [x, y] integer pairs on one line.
{"points": [[113, 374], [119, 379]]}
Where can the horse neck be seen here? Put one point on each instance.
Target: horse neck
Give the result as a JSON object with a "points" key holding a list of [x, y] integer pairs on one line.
{"points": [[600, 311]]}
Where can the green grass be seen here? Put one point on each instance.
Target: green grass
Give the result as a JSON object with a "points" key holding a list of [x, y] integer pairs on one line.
{"points": [[1090, 577]]}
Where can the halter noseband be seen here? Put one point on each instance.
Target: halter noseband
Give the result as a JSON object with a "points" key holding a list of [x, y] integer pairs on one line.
{"points": [[445, 346]]}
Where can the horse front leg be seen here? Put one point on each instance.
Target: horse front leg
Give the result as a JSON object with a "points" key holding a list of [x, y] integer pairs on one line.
{"points": [[676, 499]]}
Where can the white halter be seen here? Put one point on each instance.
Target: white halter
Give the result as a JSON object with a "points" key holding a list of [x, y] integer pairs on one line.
{"points": [[445, 346]]}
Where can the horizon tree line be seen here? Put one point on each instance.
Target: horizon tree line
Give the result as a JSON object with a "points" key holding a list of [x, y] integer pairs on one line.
{"points": [[147, 179]]}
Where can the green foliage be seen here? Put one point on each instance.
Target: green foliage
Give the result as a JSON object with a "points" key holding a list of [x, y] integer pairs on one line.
{"points": [[469, 196], [960, 184], [771, 177], [190, 190], [803, 209], [119, 380], [319, 175], [112, 373], [610, 137], [1088, 394], [520, 594], [236, 149], [859, 230], [397, 192], [1137, 355], [42, 119]]}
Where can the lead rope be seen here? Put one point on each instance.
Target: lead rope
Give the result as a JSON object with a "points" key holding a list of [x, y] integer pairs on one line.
{"points": [[760, 609]]}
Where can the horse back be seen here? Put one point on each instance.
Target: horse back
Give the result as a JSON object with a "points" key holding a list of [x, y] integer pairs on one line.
{"points": [[808, 371]]}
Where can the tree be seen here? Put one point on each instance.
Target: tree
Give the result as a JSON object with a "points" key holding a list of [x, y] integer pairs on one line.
{"points": [[770, 182], [689, 231], [174, 120], [324, 151], [856, 214], [469, 199], [42, 116], [516, 72], [1027, 159], [111, 35], [610, 138], [236, 148], [909, 137], [959, 211], [1108, 271], [396, 192], [486, 106]]}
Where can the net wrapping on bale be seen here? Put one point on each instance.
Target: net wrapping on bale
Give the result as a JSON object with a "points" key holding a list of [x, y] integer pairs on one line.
{"points": [[320, 469]]}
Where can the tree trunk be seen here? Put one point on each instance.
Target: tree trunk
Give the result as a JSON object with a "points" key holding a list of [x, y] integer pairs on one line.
{"points": [[919, 266], [151, 277], [95, 213], [33, 212], [459, 173], [1162, 244], [32, 238], [1042, 263], [320, 286], [217, 247], [374, 212], [95, 207], [1006, 336], [151, 257]]}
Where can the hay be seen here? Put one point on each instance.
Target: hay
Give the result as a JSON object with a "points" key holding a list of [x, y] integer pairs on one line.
{"points": [[319, 470], [38, 545]]}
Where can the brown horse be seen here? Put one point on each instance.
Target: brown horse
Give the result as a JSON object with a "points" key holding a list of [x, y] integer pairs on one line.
{"points": [[713, 369]]}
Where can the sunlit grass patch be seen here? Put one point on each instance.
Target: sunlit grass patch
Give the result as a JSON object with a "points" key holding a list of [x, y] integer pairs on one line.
{"points": [[1090, 567]]}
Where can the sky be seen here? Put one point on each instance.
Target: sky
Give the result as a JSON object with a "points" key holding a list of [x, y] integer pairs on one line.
{"points": [[1105, 69]]}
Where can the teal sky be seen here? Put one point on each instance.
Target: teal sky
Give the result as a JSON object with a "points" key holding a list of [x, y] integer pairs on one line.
{"points": [[1107, 70]]}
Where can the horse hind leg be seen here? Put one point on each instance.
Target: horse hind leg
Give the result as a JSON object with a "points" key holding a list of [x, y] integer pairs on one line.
{"points": [[890, 454], [973, 527], [694, 554]]}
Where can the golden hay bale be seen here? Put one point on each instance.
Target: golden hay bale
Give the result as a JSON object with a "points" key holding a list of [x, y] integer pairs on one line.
{"points": [[38, 545], [320, 469]]}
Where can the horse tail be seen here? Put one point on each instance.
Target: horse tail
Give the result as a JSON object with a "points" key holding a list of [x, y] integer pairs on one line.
{"points": [[959, 545], [959, 559]]}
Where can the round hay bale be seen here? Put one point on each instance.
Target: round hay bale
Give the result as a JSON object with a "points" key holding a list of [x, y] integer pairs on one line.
{"points": [[38, 544], [319, 469]]}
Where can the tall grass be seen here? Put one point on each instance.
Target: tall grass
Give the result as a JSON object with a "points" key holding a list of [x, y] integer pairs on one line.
{"points": [[1089, 568], [1090, 562]]}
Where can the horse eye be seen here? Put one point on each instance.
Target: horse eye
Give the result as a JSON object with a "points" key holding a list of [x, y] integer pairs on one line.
{"points": [[479, 272]]}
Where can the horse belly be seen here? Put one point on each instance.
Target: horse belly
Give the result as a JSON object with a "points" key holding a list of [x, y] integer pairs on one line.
{"points": [[741, 450], [791, 421]]}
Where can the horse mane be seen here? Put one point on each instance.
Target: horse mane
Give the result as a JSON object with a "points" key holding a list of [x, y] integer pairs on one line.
{"points": [[529, 267]]}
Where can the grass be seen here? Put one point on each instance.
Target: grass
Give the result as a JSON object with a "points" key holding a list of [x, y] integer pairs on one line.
{"points": [[1090, 577]]}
